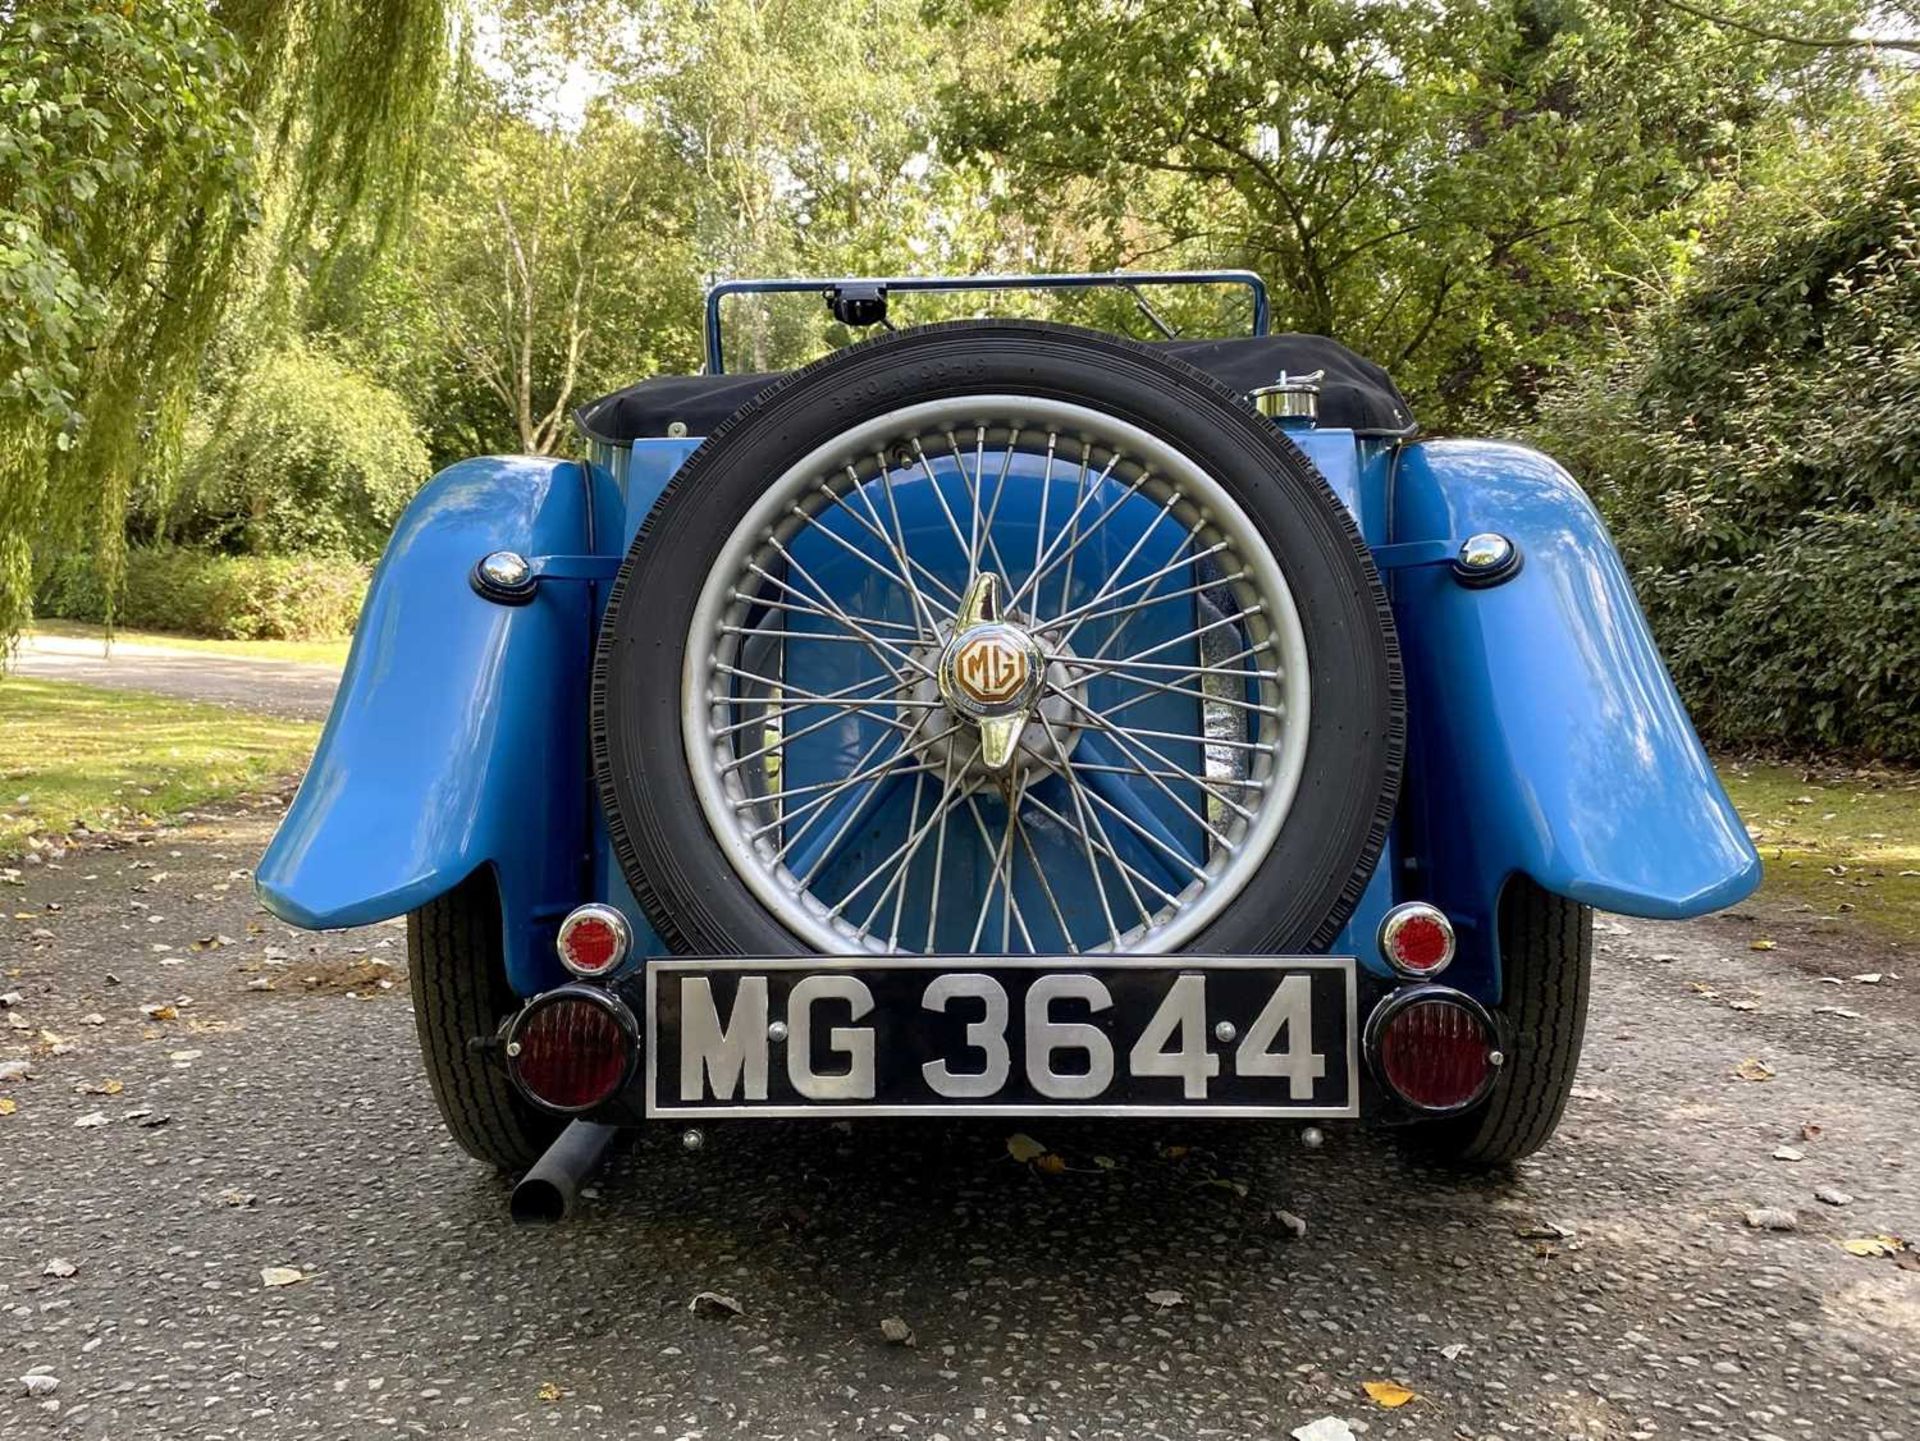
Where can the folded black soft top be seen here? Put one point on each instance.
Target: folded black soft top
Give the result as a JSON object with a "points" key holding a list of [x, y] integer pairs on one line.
{"points": [[1354, 393]]}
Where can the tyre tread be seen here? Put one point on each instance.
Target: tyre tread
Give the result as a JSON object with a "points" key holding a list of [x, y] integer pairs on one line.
{"points": [[456, 972]]}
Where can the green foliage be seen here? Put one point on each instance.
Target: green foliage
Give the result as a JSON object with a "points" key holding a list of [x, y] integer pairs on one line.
{"points": [[1756, 447], [134, 141], [227, 597], [307, 455], [1460, 192]]}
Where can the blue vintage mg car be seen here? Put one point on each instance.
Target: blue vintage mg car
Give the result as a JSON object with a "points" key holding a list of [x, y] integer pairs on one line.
{"points": [[1001, 718]]}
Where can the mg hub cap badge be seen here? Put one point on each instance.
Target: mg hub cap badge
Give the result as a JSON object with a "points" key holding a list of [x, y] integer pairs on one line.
{"points": [[991, 670], [991, 673]]}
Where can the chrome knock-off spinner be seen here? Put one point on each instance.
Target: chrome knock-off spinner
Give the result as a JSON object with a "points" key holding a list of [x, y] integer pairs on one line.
{"points": [[992, 672]]}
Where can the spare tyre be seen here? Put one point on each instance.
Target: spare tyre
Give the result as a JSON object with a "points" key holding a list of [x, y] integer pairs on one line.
{"points": [[998, 637]]}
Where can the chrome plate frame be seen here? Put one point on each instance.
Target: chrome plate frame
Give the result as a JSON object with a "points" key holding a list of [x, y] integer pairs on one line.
{"points": [[1344, 968]]}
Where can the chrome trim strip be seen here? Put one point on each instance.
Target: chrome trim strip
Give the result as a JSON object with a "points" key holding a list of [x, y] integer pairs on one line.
{"points": [[1346, 965]]}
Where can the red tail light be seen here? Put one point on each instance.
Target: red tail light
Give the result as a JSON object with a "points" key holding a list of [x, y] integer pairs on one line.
{"points": [[593, 940], [572, 1048], [1417, 940], [1433, 1047]]}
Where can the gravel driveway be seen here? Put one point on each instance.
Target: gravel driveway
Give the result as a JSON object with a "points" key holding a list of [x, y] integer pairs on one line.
{"points": [[1610, 1289], [276, 687]]}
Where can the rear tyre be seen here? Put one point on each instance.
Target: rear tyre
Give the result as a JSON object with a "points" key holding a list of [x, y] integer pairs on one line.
{"points": [[458, 974], [1546, 948]]}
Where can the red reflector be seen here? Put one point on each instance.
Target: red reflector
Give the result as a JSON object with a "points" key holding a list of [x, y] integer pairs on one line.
{"points": [[591, 944], [1420, 943], [572, 1053], [1435, 1054]]}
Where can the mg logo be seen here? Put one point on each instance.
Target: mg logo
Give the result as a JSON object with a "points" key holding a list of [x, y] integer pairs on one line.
{"points": [[990, 667]]}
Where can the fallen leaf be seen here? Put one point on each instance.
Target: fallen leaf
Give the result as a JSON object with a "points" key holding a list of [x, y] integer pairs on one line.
{"points": [[1105, 1163], [100, 1088], [1387, 1393], [1753, 1069], [1743, 1005], [16, 1070], [1023, 1147], [1166, 1299], [1543, 1231], [1872, 1245], [160, 1013], [548, 1391], [1788, 1153], [1327, 1428], [1869, 978], [231, 1197], [716, 1304], [1453, 1352], [1296, 1226], [896, 1331], [1761, 944], [1832, 1196], [8, 1105], [1050, 1164], [281, 1275], [93, 1018], [59, 1266], [1174, 1153], [1772, 1218], [1810, 1131], [91, 1120]]}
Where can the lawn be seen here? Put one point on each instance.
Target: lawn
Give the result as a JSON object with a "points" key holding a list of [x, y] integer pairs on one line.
{"points": [[1844, 842], [313, 652], [75, 755]]}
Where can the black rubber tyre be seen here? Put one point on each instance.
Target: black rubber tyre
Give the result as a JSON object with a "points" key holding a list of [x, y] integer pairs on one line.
{"points": [[1317, 868], [1546, 949], [459, 981]]}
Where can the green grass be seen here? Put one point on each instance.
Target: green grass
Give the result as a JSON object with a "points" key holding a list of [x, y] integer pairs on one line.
{"points": [[78, 755], [1836, 840], [313, 652]]}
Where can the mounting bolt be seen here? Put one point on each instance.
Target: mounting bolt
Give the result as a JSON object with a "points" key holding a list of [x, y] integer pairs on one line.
{"points": [[693, 1138], [1224, 1030], [1496, 1058], [513, 1048], [1311, 1137], [777, 1031]]}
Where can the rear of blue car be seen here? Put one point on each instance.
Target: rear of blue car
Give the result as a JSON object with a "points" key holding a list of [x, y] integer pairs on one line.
{"points": [[1003, 719]]}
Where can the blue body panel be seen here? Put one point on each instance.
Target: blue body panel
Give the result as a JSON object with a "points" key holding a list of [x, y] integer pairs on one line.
{"points": [[458, 739], [1545, 737]]}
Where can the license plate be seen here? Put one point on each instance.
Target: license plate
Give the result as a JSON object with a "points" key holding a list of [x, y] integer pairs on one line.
{"points": [[1002, 1036]]}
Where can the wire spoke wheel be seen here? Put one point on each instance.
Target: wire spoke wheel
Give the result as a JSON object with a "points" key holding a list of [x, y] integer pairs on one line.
{"points": [[996, 674], [1023, 665]]}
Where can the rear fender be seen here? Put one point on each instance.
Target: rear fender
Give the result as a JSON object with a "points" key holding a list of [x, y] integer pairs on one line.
{"points": [[458, 737], [1545, 736]]}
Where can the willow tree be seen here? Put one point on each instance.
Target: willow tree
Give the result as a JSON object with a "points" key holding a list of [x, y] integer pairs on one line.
{"points": [[136, 143]]}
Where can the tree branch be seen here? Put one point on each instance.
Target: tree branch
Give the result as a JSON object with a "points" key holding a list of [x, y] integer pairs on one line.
{"points": [[1805, 42]]}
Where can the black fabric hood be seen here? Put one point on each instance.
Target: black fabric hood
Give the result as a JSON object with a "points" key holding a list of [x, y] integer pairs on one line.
{"points": [[1355, 394]]}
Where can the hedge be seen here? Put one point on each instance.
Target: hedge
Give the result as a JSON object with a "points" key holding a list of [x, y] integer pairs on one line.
{"points": [[228, 597], [1755, 446]]}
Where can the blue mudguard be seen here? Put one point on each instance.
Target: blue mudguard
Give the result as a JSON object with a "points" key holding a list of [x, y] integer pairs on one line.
{"points": [[458, 738], [1545, 736]]}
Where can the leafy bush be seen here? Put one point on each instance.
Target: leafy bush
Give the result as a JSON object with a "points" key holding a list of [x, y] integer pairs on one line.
{"points": [[228, 597], [307, 456], [1756, 448]]}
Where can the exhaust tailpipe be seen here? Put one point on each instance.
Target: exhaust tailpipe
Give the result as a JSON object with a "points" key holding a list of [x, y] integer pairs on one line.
{"points": [[546, 1194]]}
